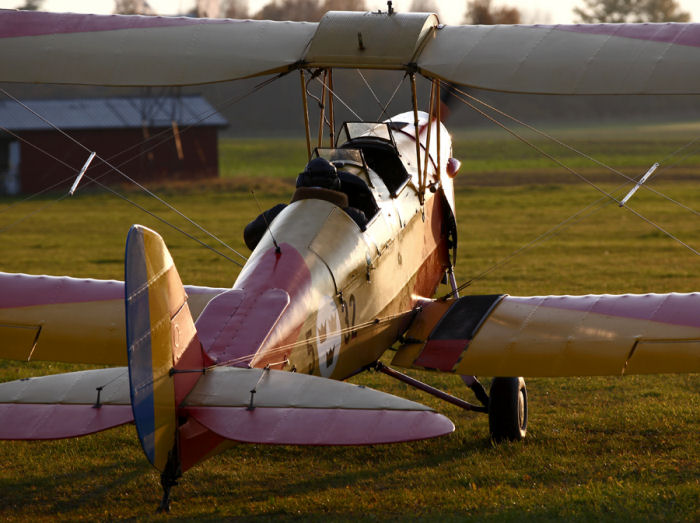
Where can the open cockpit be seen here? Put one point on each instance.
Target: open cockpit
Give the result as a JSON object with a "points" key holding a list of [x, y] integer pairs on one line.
{"points": [[365, 172]]}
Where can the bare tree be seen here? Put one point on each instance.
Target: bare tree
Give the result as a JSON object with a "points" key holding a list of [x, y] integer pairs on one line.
{"points": [[423, 6], [132, 7], [298, 10], [343, 5], [235, 9], [621, 11], [207, 9], [480, 12], [306, 10], [31, 5]]}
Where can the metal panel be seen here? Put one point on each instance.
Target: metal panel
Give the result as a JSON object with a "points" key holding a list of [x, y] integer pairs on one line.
{"points": [[369, 40]]}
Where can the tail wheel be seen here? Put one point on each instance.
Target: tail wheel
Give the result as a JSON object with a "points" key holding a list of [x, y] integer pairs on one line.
{"points": [[508, 409]]}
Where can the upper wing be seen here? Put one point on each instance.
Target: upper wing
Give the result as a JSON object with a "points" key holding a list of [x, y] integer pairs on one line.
{"points": [[557, 335], [70, 319], [561, 59], [568, 59], [143, 50]]}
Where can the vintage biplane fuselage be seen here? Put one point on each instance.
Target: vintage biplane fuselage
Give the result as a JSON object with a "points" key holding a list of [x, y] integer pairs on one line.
{"points": [[330, 275]]}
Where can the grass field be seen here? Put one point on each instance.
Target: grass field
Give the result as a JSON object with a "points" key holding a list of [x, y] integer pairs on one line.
{"points": [[597, 448]]}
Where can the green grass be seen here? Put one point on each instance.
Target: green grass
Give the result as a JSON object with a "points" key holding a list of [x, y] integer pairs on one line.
{"points": [[260, 157], [597, 448]]}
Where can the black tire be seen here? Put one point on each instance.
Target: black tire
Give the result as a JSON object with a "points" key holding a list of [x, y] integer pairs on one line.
{"points": [[508, 409]]}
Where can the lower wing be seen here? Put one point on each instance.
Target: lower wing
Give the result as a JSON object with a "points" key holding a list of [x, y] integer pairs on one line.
{"points": [[593, 335], [70, 319]]}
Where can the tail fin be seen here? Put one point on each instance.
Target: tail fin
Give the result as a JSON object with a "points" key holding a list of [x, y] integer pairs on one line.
{"points": [[161, 339]]}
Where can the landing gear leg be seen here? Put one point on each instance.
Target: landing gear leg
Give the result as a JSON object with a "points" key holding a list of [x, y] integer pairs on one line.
{"points": [[167, 483], [477, 389], [169, 477], [508, 409]]}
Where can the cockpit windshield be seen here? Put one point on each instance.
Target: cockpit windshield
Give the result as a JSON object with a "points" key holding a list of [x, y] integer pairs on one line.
{"points": [[342, 156], [352, 130]]}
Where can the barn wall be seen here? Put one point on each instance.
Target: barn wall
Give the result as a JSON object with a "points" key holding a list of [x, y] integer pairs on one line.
{"points": [[124, 148]]}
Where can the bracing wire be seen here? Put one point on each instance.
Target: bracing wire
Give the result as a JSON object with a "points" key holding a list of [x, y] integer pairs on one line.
{"points": [[340, 99], [391, 98], [369, 87], [586, 211], [584, 155], [580, 176], [384, 107], [302, 343], [166, 222], [281, 349], [125, 176], [128, 200], [151, 139]]}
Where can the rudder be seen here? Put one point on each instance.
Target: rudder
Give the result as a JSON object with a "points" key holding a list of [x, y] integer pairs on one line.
{"points": [[161, 338]]}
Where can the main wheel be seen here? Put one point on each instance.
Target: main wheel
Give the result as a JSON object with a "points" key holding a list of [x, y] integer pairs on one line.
{"points": [[508, 409]]}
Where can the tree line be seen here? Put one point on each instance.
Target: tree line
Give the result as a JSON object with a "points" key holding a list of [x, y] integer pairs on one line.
{"points": [[480, 12]]}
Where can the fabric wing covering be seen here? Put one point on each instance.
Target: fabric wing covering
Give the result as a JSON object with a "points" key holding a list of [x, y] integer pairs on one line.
{"points": [[73, 320], [144, 50], [288, 408], [65, 405], [568, 59], [594, 335]]}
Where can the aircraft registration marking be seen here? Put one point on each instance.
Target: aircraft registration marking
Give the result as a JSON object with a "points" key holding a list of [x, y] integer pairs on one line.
{"points": [[328, 337]]}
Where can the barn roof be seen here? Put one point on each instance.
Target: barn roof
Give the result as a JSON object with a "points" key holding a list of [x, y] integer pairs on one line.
{"points": [[110, 113]]}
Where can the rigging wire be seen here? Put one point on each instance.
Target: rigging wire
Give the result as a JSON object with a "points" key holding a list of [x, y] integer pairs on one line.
{"points": [[369, 87], [383, 107], [584, 155], [164, 221], [109, 189], [303, 342], [340, 99], [47, 204], [280, 350], [586, 211], [580, 176], [164, 133], [151, 139], [391, 98], [124, 175]]}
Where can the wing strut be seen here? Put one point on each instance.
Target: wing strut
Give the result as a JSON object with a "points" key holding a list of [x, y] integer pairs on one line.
{"points": [[431, 390], [639, 184]]}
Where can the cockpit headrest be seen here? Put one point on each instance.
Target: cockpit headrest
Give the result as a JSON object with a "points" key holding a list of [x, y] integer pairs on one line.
{"points": [[319, 172]]}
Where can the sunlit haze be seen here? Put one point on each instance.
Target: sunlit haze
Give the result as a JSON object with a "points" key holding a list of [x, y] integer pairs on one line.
{"points": [[451, 12]]}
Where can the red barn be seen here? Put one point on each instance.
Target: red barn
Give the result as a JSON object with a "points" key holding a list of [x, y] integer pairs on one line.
{"points": [[164, 138]]}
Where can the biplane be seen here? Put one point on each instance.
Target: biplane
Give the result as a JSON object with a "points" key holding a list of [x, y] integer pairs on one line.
{"points": [[343, 272]]}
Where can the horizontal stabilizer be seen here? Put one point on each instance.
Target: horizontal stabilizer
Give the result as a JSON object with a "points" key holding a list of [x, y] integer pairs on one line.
{"points": [[64, 405], [594, 335], [295, 409]]}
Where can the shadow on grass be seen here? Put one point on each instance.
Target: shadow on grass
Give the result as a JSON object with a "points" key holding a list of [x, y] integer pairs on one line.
{"points": [[71, 492], [364, 463]]}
